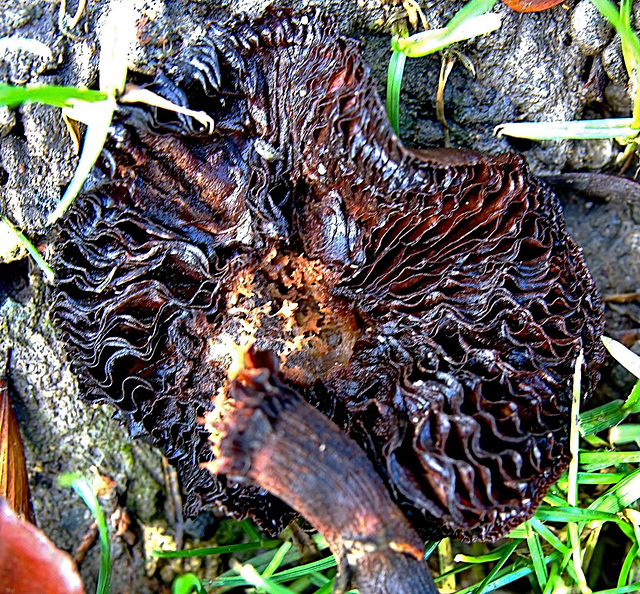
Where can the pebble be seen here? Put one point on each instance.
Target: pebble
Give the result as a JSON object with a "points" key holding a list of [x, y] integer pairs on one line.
{"points": [[589, 28]]}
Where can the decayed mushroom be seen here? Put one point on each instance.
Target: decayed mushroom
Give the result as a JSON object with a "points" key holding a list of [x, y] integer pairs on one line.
{"points": [[428, 303]]}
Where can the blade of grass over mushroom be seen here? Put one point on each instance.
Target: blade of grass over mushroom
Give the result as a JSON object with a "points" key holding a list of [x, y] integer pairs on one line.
{"points": [[281, 576], [98, 117], [33, 251], [81, 486]]}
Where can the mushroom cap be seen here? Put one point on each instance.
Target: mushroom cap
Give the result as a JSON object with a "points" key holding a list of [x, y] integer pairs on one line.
{"points": [[430, 303]]}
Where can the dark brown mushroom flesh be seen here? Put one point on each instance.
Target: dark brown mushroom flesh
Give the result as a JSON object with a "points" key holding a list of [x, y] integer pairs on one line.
{"points": [[429, 306]]}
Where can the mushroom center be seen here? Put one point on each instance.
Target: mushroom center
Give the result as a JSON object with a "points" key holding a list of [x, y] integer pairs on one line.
{"points": [[283, 305]]}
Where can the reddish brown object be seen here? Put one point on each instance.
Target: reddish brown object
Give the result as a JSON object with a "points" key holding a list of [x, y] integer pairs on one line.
{"points": [[14, 482], [280, 442], [30, 562], [429, 303], [531, 5]]}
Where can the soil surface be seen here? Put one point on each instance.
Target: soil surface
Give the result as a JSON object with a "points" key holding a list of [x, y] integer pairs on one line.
{"points": [[561, 64]]}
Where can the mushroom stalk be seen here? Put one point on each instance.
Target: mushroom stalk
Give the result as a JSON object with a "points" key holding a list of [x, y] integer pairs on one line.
{"points": [[280, 442]]}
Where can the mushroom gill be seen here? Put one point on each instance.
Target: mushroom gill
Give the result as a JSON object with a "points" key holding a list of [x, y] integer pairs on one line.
{"points": [[429, 303]]}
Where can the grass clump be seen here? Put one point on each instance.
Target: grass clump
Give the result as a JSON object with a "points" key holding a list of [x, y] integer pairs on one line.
{"points": [[471, 20]]}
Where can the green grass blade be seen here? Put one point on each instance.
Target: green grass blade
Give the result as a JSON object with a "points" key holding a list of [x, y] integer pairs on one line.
{"points": [[394, 84], [187, 583], [591, 461], [548, 535], [537, 556], [250, 530], [600, 478], [81, 486], [433, 40], [33, 252], [277, 560], [326, 589], [630, 557], [58, 96], [470, 10], [633, 401], [282, 576], [602, 418], [494, 555], [249, 573], [431, 546], [565, 515], [232, 548], [623, 495], [517, 532], [483, 587]]}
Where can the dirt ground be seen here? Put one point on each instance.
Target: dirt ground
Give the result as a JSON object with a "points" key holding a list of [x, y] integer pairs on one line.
{"points": [[561, 64]]}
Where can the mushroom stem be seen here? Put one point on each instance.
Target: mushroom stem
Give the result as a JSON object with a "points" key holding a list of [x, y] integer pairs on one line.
{"points": [[280, 442]]}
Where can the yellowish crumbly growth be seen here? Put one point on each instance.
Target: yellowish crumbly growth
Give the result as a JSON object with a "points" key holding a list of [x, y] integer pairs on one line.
{"points": [[283, 306]]}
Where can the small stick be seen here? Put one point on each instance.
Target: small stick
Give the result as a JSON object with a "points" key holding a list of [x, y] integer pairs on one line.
{"points": [[174, 499], [278, 441], [620, 297]]}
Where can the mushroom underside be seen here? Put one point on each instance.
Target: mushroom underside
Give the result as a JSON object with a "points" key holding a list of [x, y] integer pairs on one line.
{"points": [[429, 306]]}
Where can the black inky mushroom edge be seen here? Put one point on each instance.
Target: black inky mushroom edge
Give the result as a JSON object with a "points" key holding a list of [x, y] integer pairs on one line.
{"points": [[429, 303]]}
